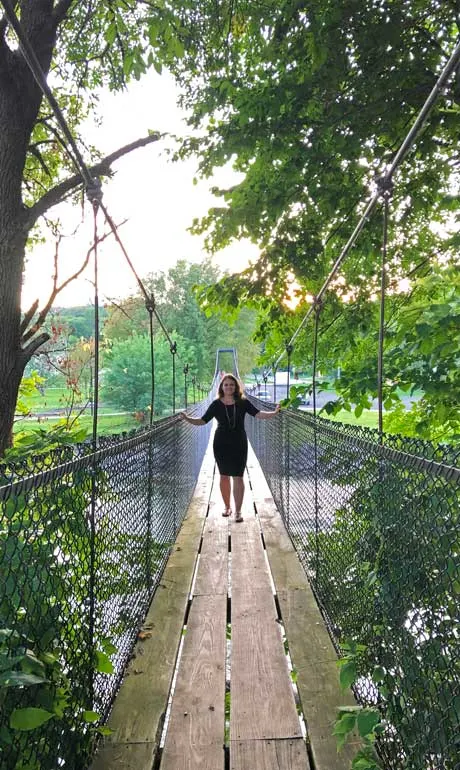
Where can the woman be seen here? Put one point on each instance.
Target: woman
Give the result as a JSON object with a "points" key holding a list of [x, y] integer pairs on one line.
{"points": [[230, 440]]}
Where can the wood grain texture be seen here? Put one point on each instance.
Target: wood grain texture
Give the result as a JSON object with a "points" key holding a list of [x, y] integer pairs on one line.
{"points": [[262, 700], [310, 647], [212, 576], [125, 756], [138, 713], [249, 566], [290, 754], [195, 733]]}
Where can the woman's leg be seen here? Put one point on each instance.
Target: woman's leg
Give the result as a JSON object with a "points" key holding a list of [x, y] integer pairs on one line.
{"points": [[225, 492], [238, 494]]}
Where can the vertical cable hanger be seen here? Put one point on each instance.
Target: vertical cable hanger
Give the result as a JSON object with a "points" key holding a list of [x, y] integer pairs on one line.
{"points": [[318, 306], [385, 185]]}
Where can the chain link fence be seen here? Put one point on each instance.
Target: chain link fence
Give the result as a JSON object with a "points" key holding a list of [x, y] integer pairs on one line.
{"points": [[377, 529], [84, 538]]}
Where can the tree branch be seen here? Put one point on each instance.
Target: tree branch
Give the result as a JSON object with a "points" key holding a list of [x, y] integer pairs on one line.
{"points": [[58, 193], [36, 343], [27, 334], [60, 11], [28, 316]]}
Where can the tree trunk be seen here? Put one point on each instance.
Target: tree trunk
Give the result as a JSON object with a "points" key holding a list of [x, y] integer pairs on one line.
{"points": [[12, 358], [13, 236], [20, 99]]}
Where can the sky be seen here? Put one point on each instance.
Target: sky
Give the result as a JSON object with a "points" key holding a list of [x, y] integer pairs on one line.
{"points": [[156, 196]]}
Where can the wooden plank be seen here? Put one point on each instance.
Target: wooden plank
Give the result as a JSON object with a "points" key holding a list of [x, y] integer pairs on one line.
{"points": [[310, 646], [125, 756], [195, 733], [138, 713], [212, 576], [196, 759], [288, 754], [249, 567], [262, 700]]}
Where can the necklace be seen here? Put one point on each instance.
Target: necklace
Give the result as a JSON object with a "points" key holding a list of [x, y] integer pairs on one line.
{"points": [[231, 423]]}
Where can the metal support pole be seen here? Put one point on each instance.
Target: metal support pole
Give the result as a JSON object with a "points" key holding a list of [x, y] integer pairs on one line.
{"points": [[274, 381], [289, 349], [194, 385], [317, 308], [173, 349], [386, 187], [150, 305], [186, 371]]}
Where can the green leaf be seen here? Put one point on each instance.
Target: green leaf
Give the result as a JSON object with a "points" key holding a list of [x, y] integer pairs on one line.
{"points": [[367, 720], [103, 663], [91, 716], [20, 679], [104, 730], [29, 718], [348, 674], [378, 674]]}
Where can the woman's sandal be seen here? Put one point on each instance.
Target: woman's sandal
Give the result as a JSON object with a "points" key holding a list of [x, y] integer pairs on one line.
{"points": [[227, 512], [238, 517]]}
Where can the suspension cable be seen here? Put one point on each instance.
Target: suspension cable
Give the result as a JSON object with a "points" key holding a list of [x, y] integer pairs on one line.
{"points": [[386, 177], [37, 72]]}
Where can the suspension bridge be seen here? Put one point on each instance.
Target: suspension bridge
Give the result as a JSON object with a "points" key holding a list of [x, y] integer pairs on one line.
{"points": [[199, 642], [140, 629]]}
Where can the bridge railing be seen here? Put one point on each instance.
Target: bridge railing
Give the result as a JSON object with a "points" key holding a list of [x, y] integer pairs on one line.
{"points": [[377, 529], [84, 538]]}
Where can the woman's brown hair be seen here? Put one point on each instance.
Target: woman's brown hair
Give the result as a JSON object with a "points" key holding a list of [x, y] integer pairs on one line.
{"points": [[238, 395]]}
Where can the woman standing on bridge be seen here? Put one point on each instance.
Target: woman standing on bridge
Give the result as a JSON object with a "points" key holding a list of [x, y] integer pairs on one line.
{"points": [[230, 441]]}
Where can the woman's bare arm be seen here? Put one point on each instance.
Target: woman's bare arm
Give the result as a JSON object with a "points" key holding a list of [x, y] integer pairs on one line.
{"points": [[263, 415], [191, 420]]}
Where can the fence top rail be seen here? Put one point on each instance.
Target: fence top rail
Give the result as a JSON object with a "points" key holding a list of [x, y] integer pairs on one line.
{"points": [[412, 461], [55, 472], [406, 459]]}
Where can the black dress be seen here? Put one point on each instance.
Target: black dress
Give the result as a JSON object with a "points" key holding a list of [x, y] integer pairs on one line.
{"points": [[230, 441]]}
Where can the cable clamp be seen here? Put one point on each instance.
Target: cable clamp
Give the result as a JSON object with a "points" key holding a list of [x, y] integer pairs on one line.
{"points": [[385, 185], [94, 191], [173, 348], [317, 305], [150, 304]]}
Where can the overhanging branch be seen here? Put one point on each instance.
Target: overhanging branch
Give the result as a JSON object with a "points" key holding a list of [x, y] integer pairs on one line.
{"points": [[58, 193], [33, 345]]}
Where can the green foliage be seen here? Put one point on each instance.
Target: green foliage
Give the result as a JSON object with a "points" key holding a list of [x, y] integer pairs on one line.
{"points": [[49, 655], [387, 572], [127, 381], [421, 354], [79, 320], [176, 303], [28, 389], [44, 568], [366, 721], [309, 104]]}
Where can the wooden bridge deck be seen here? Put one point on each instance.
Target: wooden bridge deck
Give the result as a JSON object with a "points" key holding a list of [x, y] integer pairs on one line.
{"points": [[227, 618]]}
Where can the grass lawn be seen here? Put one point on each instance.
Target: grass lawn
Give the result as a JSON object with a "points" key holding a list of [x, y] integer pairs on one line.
{"points": [[368, 419], [51, 399], [113, 423]]}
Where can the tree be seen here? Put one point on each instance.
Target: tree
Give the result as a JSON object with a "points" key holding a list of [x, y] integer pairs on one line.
{"points": [[83, 46], [127, 380], [177, 306], [310, 101]]}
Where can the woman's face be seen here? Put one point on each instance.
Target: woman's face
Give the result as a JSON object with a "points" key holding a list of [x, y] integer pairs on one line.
{"points": [[228, 386]]}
